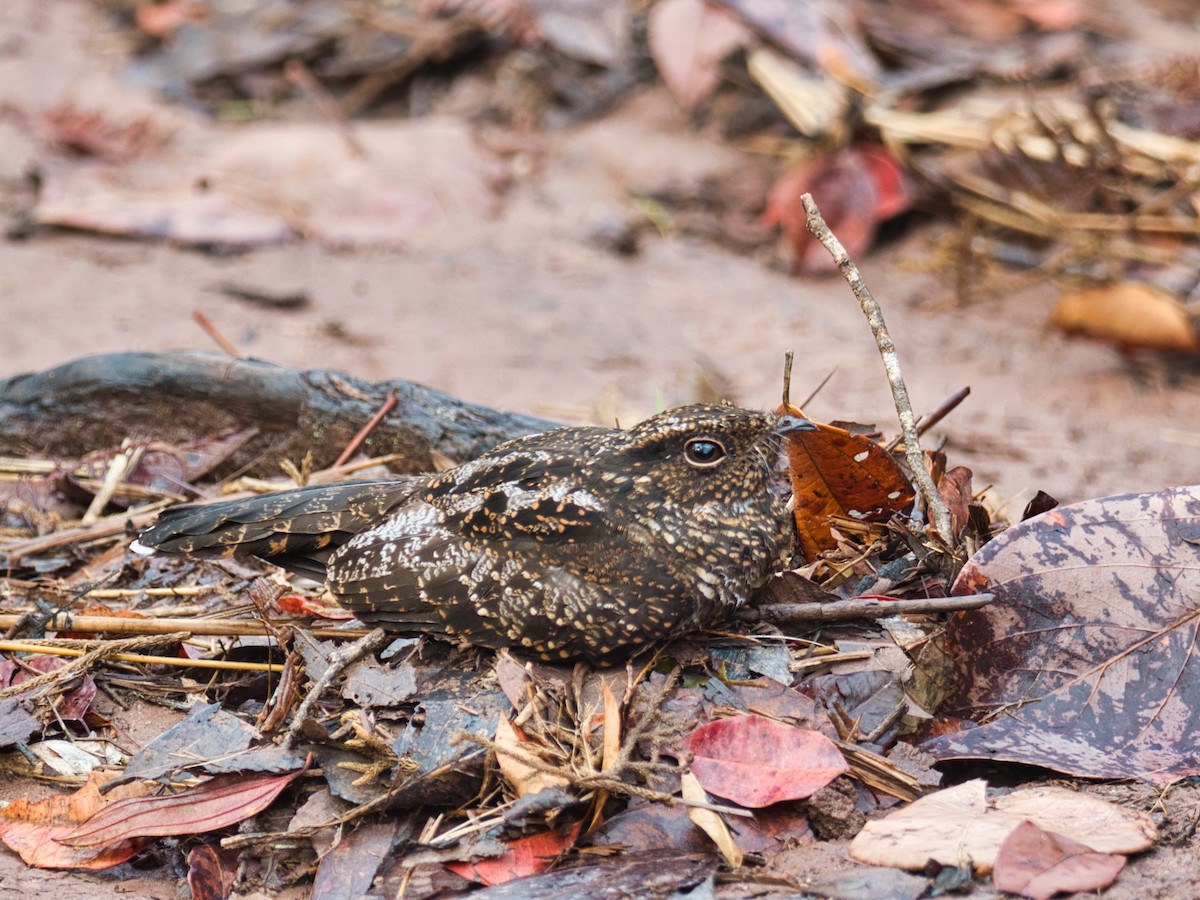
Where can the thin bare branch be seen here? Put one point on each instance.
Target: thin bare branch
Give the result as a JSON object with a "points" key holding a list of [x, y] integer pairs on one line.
{"points": [[861, 608], [938, 513]]}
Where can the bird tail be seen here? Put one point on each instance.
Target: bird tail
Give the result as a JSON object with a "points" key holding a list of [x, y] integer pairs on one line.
{"points": [[296, 529]]}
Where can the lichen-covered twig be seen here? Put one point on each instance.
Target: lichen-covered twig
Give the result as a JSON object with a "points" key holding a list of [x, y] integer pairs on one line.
{"points": [[939, 515]]}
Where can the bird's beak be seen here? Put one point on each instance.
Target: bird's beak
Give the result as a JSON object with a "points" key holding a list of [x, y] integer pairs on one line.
{"points": [[786, 425]]}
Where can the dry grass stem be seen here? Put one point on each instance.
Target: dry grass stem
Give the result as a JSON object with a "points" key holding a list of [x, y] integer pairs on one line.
{"points": [[107, 527], [52, 649], [85, 659], [880, 773], [125, 625]]}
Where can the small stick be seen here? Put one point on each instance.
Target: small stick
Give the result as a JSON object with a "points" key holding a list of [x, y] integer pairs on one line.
{"points": [[860, 608], [178, 591], [215, 333], [788, 359], [924, 423], [938, 513], [338, 661], [109, 526], [388, 405], [948, 406], [812, 395]]}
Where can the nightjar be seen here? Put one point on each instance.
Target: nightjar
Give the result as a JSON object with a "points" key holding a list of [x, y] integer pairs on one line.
{"points": [[577, 543]]}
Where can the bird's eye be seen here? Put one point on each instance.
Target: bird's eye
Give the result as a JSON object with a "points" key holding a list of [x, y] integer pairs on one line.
{"points": [[704, 451]]}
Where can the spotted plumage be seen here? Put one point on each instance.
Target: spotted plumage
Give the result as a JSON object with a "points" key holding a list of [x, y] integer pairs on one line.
{"points": [[578, 543]]}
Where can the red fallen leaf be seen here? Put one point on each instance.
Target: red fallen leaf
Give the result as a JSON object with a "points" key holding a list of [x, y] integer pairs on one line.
{"points": [[756, 762], [298, 605], [837, 473], [526, 856], [223, 801], [893, 195], [36, 830], [1040, 864], [857, 189]]}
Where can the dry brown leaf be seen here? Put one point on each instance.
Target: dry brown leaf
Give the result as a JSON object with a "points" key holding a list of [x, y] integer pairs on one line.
{"points": [[710, 822], [523, 777], [1103, 826], [1089, 644], [1131, 314], [1039, 864], [960, 826], [837, 473]]}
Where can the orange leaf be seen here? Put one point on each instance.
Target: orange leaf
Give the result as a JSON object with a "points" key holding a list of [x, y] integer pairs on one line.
{"points": [[1129, 314], [837, 473], [37, 830], [523, 777], [525, 856]]}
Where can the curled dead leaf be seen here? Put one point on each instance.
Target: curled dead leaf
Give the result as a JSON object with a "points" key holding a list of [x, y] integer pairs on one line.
{"points": [[1130, 314]]}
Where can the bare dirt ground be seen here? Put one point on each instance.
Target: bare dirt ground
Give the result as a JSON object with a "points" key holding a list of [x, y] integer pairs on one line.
{"points": [[527, 311]]}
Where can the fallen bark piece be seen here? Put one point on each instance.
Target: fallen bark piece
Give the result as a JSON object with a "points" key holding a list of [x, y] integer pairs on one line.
{"points": [[99, 400]]}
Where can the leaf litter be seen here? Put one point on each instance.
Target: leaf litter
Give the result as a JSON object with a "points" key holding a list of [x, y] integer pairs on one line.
{"points": [[513, 764]]}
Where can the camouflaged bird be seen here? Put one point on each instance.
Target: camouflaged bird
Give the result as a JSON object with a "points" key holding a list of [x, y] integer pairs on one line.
{"points": [[577, 543]]}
